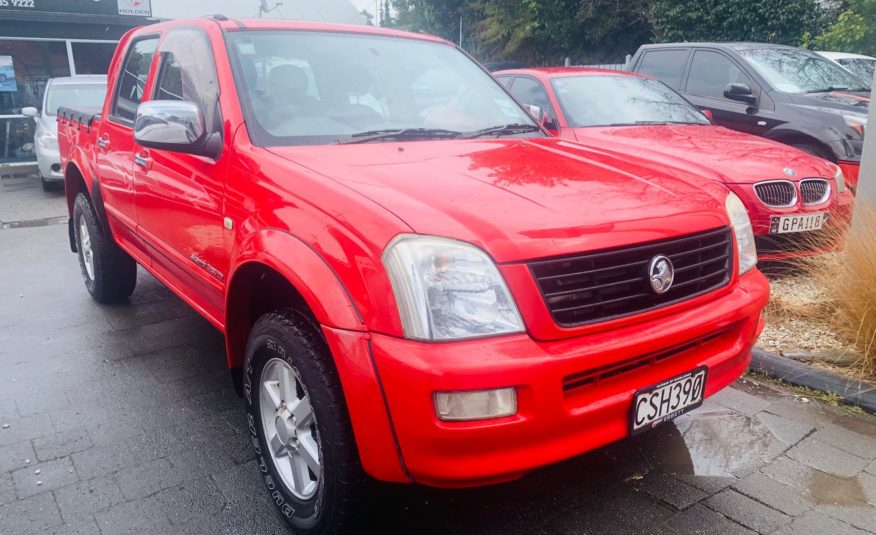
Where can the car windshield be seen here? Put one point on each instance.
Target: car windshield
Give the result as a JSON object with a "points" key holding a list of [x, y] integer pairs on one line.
{"points": [[791, 70], [862, 68], [613, 100], [309, 88], [84, 96]]}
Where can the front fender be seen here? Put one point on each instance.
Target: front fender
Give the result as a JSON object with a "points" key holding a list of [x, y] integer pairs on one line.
{"points": [[320, 286]]}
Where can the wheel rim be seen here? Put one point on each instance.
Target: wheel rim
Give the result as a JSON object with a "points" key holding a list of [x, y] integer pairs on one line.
{"points": [[289, 425], [85, 248]]}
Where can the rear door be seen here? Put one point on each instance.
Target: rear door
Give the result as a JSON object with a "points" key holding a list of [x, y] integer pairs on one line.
{"points": [[115, 141], [710, 72], [180, 197]]}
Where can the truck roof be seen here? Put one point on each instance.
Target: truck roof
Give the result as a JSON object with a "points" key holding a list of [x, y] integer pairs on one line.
{"points": [[553, 72], [89, 79]]}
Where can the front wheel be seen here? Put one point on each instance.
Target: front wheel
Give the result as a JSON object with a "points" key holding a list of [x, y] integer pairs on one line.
{"points": [[301, 430], [110, 274]]}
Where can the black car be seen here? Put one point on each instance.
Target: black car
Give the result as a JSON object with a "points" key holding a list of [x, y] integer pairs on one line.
{"points": [[780, 92]]}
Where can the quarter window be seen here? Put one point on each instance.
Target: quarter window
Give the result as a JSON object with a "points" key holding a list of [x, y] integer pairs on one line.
{"points": [[132, 79], [665, 65], [710, 72], [531, 92]]}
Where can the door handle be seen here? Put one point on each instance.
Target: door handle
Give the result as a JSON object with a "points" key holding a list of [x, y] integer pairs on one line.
{"points": [[103, 142], [143, 160]]}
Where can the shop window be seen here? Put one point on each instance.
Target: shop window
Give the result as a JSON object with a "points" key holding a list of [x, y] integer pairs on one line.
{"points": [[92, 58]]}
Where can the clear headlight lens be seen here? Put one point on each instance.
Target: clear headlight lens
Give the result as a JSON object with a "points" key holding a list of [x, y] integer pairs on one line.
{"points": [[840, 178], [743, 232], [49, 140], [447, 289]]}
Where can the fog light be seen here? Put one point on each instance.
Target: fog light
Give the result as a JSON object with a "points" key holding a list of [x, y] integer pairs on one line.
{"points": [[476, 404]]}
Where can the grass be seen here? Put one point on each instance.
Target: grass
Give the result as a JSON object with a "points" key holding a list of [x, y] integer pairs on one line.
{"points": [[849, 281]]}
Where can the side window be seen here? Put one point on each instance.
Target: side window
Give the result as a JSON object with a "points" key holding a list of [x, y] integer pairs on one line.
{"points": [[532, 92], [665, 65], [132, 78], [187, 72], [505, 81], [710, 72]]}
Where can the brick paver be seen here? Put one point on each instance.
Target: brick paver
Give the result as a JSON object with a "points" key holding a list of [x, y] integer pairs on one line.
{"points": [[130, 417]]}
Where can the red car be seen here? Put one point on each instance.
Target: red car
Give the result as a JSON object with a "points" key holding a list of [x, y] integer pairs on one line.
{"points": [[798, 203], [415, 281]]}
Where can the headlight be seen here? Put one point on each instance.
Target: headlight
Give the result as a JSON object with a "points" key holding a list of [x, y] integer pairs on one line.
{"points": [[840, 178], [448, 290], [858, 123], [743, 231], [49, 140]]}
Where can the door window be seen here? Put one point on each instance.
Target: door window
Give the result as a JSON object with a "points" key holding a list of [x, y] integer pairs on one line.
{"points": [[532, 92], [665, 65], [132, 79], [710, 72], [188, 73]]}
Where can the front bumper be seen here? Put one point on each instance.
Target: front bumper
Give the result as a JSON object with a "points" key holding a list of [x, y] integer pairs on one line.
{"points": [[49, 162], [555, 420], [778, 247]]}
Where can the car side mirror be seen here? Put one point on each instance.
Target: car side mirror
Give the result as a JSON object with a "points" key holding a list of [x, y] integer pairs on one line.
{"points": [[709, 115], [740, 92], [176, 126], [543, 118], [30, 111]]}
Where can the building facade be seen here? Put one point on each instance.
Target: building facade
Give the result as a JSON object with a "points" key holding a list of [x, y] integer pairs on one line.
{"points": [[42, 39]]}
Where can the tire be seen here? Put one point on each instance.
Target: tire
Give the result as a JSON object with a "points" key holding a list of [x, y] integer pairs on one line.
{"points": [[287, 342], [813, 149], [110, 274]]}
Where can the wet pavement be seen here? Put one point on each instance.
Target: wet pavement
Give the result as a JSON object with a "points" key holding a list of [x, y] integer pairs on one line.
{"points": [[122, 419]]}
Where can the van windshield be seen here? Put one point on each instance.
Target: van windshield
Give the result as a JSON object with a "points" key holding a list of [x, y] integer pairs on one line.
{"points": [[310, 88], [84, 96]]}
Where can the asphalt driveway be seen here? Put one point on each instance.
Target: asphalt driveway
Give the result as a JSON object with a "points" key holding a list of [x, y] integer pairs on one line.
{"points": [[122, 419]]}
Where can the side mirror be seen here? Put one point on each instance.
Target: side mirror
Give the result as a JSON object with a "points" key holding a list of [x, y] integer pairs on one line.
{"points": [[740, 92], [176, 126], [709, 115], [30, 111], [543, 119], [536, 112]]}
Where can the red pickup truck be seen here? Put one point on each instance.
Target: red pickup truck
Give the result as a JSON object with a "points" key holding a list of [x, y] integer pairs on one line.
{"points": [[415, 281]]}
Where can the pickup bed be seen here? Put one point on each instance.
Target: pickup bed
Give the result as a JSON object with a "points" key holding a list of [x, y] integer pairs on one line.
{"points": [[416, 283]]}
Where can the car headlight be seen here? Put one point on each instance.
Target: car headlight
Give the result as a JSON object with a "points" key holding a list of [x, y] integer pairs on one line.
{"points": [[743, 232], [858, 123], [49, 140], [840, 178], [448, 290]]}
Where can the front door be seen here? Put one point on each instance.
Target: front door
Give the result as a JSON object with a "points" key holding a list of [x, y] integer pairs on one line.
{"points": [[180, 197]]}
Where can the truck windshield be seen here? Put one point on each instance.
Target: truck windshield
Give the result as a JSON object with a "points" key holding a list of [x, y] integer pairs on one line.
{"points": [[74, 95], [310, 88], [791, 70], [613, 100]]}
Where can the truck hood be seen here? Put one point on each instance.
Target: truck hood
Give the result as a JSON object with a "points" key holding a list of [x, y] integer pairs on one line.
{"points": [[851, 101], [713, 151], [520, 198]]}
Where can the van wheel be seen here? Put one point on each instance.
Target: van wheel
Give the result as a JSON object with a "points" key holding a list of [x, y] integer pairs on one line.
{"points": [[110, 273], [298, 419]]}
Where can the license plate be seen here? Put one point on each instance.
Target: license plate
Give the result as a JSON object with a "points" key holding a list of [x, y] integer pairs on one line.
{"points": [[797, 223], [660, 403]]}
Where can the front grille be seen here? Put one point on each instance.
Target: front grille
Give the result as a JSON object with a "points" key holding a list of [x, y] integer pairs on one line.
{"points": [[814, 190], [613, 283], [778, 193]]}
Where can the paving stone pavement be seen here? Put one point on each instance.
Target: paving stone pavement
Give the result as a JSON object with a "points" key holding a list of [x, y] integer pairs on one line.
{"points": [[129, 415]]}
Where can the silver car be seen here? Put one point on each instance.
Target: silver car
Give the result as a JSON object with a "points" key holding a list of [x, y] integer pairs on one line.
{"points": [[81, 92]]}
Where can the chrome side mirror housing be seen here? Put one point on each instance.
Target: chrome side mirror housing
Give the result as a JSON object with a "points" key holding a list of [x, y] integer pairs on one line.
{"points": [[176, 126]]}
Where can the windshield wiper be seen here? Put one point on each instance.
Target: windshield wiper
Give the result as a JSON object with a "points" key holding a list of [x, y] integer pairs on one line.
{"points": [[828, 89], [502, 130], [400, 133]]}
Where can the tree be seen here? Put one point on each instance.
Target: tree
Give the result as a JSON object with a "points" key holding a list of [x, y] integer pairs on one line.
{"points": [[436, 17], [771, 21], [854, 30]]}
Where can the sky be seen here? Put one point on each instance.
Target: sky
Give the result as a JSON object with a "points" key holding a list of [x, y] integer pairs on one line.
{"points": [[328, 10]]}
